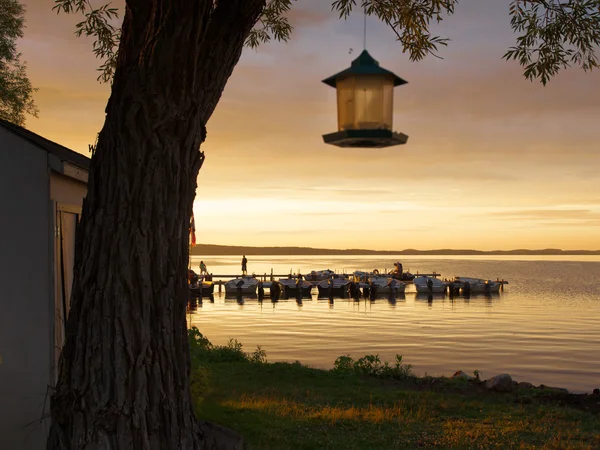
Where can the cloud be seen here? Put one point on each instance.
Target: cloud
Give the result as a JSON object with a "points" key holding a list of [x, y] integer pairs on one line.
{"points": [[310, 13], [549, 213], [551, 217]]}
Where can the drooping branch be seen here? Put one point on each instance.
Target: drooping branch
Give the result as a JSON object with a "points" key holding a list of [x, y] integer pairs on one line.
{"points": [[272, 24], [554, 34], [410, 20], [101, 23]]}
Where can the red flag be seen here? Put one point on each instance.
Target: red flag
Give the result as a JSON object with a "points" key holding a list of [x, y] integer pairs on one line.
{"points": [[193, 231]]}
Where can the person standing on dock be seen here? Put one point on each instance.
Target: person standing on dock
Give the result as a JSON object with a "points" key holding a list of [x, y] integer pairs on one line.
{"points": [[203, 269], [244, 265]]}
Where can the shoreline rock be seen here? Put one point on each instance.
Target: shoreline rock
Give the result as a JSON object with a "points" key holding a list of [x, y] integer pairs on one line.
{"points": [[500, 383], [505, 383]]}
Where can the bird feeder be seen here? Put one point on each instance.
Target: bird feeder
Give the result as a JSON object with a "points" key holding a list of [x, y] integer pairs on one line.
{"points": [[365, 105]]}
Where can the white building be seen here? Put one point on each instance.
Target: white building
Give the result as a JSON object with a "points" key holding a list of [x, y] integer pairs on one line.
{"points": [[42, 185]]}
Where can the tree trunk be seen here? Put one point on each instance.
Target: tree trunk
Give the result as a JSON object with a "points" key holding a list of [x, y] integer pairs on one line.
{"points": [[124, 370]]}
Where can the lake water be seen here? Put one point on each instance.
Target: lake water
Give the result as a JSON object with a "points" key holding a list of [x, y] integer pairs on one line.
{"points": [[543, 328]]}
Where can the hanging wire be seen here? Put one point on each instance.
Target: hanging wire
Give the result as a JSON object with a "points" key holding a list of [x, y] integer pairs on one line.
{"points": [[365, 29]]}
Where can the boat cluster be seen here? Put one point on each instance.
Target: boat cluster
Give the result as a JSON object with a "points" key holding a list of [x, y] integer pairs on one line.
{"points": [[331, 284]]}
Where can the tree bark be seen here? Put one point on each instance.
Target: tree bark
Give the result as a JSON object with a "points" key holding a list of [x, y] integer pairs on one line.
{"points": [[124, 369]]}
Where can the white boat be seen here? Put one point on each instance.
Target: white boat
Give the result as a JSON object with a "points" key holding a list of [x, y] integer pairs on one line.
{"points": [[384, 285], [319, 275], [243, 285], [477, 285], [334, 287], [429, 285], [292, 285]]}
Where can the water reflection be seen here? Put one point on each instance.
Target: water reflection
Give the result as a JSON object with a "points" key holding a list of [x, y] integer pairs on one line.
{"points": [[429, 297], [195, 302]]}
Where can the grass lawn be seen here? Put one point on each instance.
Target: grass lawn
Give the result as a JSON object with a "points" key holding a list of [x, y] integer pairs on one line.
{"points": [[365, 406]]}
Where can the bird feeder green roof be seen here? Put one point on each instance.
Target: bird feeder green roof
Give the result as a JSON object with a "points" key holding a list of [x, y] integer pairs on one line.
{"points": [[365, 64]]}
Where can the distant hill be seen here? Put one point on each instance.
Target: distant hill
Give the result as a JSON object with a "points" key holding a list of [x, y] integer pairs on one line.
{"points": [[210, 249]]}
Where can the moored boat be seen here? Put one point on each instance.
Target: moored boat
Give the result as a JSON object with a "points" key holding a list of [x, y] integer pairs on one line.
{"points": [[243, 285], [199, 285], [294, 287], [384, 285], [319, 275], [374, 284], [203, 288], [470, 285], [429, 285], [336, 286]]}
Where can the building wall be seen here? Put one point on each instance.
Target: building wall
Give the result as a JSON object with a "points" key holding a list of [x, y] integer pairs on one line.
{"points": [[67, 190], [26, 287]]}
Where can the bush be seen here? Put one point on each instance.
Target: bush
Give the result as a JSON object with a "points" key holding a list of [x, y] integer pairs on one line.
{"points": [[371, 365], [202, 350], [259, 356]]}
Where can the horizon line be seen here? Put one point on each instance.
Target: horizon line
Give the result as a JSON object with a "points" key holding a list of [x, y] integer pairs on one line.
{"points": [[408, 250]]}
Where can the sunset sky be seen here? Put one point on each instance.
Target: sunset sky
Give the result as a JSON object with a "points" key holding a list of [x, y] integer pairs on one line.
{"points": [[493, 161]]}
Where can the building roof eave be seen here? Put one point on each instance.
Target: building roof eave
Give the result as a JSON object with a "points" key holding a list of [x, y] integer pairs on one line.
{"points": [[59, 152]]}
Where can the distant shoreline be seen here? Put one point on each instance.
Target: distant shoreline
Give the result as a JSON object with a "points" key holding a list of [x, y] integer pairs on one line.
{"points": [[211, 249]]}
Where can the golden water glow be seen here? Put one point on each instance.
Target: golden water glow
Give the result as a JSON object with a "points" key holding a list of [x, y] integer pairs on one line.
{"points": [[493, 160]]}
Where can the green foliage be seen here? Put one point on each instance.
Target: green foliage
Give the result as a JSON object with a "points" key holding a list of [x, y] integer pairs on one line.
{"points": [[259, 356], [553, 35], [371, 365], [16, 91], [202, 351], [410, 21], [11, 28], [98, 23], [272, 24]]}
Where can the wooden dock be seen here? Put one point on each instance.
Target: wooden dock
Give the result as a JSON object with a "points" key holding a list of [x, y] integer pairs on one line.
{"points": [[271, 276], [219, 280]]}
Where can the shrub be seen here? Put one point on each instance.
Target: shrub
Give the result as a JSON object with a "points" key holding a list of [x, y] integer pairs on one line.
{"points": [[259, 356], [202, 350], [344, 364], [371, 365]]}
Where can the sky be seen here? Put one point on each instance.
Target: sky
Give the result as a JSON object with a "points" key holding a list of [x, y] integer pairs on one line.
{"points": [[493, 161]]}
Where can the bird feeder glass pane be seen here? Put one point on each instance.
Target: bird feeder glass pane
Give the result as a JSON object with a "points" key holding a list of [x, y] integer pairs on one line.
{"points": [[345, 103], [373, 102], [365, 102], [388, 104]]}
